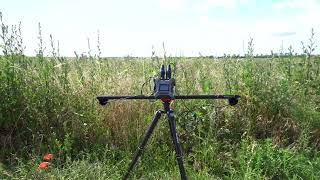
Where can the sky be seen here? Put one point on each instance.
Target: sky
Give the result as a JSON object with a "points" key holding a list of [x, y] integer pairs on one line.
{"points": [[185, 27]]}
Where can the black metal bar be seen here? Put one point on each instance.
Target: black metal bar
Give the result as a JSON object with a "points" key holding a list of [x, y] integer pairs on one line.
{"points": [[124, 97], [175, 97], [233, 99], [176, 143], [143, 143], [206, 96]]}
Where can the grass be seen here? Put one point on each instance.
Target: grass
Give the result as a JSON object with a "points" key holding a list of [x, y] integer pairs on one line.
{"points": [[48, 105]]}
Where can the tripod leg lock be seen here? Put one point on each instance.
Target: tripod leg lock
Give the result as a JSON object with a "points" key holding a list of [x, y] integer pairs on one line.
{"points": [[170, 114]]}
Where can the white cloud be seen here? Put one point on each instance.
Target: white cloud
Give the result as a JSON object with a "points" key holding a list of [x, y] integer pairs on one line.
{"points": [[310, 14], [284, 4], [229, 4], [298, 4], [205, 6], [243, 1], [306, 14], [173, 4]]}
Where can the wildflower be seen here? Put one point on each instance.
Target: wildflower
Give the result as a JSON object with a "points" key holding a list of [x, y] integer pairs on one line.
{"points": [[43, 165], [47, 157]]}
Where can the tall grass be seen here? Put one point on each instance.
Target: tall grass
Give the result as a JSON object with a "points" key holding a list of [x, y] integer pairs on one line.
{"points": [[48, 104]]}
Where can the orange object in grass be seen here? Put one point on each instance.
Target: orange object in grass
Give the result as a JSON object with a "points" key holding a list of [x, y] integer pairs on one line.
{"points": [[47, 157], [43, 165]]}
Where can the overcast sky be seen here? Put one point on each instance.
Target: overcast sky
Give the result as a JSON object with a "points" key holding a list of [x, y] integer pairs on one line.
{"points": [[187, 28]]}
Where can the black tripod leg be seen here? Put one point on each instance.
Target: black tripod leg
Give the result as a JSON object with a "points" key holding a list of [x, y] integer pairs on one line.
{"points": [[143, 143], [176, 143]]}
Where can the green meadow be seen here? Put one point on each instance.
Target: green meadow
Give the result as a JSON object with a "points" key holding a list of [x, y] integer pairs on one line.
{"points": [[48, 105]]}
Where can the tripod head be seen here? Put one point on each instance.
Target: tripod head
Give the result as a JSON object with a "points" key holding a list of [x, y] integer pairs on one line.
{"points": [[164, 89]]}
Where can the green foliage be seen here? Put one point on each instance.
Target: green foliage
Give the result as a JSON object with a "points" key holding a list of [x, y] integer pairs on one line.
{"points": [[268, 161]]}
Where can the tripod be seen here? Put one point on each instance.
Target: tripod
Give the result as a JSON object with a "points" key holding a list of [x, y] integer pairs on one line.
{"points": [[164, 90], [103, 100], [173, 132]]}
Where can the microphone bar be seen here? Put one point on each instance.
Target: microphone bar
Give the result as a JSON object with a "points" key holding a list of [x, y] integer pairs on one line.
{"points": [[104, 99], [207, 96], [175, 97]]}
